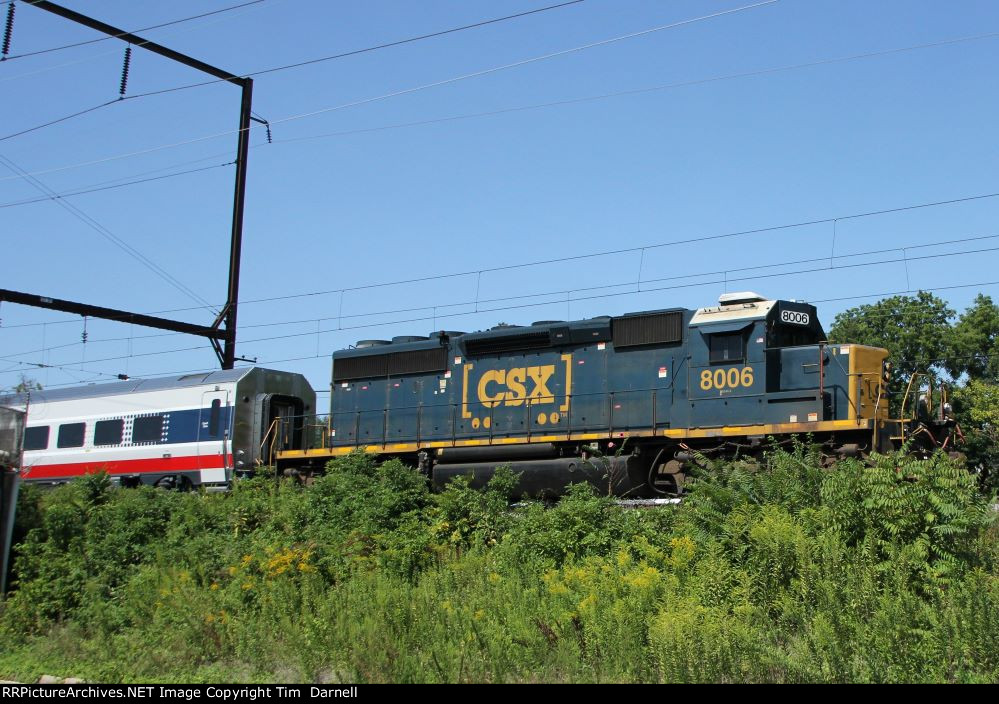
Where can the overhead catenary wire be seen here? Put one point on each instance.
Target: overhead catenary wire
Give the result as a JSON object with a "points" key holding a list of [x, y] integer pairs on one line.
{"points": [[110, 236], [564, 292], [58, 120], [641, 90], [406, 91], [102, 54], [591, 255], [112, 186], [63, 47], [538, 304], [205, 370], [558, 103], [479, 24], [355, 52]]}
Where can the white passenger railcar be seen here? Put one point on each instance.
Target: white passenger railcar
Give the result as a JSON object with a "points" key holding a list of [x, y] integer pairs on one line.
{"points": [[192, 430]]}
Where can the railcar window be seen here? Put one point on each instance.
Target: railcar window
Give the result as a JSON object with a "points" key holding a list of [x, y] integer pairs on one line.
{"points": [[71, 435], [213, 419], [36, 438], [726, 347], [147, 429], [109, 432]]}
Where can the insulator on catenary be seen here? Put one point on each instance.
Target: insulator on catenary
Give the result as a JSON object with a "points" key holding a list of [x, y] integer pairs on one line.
{"points": [[8, 31], [124, 70], [269, 140]]}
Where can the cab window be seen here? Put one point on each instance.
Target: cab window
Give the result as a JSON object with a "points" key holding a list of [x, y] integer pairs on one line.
{"points": [[726, 347]]}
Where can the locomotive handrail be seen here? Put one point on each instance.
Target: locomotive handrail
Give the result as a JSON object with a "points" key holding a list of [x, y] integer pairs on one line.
{"points": [[902, 419], [608, 418], [877, 405]]}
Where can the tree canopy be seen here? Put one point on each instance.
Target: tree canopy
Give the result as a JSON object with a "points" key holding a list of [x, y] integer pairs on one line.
{"points": [[974, 343], [916, 331]]}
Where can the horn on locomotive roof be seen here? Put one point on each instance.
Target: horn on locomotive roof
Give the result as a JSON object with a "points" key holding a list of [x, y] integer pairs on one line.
{"points": [[739, 297]]}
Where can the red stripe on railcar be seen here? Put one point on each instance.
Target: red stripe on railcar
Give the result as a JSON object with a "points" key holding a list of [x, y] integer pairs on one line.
{"points": [[187, 463]]}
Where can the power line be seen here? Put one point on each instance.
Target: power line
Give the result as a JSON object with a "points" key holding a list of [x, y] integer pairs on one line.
{"points": [[622, 284], [591, 98], [96, 189], [141, 29], [603, 96], [355, 52], [406, 91], [570, 101], [91, 57], [592, 255], [981, 284], [579, 100], [386, 45], [107, 234], [523, 62], [632, 250], [548, 303], [58, 120], [640, 91]]}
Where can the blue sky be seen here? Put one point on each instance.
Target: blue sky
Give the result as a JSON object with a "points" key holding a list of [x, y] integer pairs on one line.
{"points": [[355, 196]]}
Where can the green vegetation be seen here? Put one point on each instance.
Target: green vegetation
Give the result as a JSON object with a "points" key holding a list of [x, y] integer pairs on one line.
{"points": [[779, 572], [923, 335]]}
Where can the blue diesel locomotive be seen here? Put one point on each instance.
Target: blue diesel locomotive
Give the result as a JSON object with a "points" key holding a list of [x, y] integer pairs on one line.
{"points": [[623, 402]]}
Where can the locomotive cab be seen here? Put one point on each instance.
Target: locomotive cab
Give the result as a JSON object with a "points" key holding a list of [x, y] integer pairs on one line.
{"points": [[759, 362], [740, 359]]}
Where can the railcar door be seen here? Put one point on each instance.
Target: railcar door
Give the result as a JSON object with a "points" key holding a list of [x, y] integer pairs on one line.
{"points": [[215, 437], [283, 425]]}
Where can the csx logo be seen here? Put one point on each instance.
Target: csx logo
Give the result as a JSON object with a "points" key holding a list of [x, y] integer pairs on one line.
{"points": [[533, 385], [509, 386]]}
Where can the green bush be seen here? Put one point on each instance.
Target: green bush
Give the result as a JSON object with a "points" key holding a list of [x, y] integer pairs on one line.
{"points": [[775, 569]]}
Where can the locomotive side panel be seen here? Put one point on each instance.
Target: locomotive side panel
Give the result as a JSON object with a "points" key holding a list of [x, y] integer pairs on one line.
{"points": [[620, 401], [517, 394], [727, 373]]}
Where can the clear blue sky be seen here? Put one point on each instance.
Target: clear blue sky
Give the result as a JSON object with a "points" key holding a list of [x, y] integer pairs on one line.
{"points": [[338, 202]]}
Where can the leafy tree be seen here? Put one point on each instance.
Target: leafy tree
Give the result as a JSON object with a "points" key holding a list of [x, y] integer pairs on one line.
{"points": [[977, 407], [978, 404], [974, 345], [915, 330], [26, 385]]}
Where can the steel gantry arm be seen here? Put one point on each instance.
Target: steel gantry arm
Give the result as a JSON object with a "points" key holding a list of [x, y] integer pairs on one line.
{"points": [[223, 329]]}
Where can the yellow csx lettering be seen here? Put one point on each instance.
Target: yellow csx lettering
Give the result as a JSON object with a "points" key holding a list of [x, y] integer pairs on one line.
{"points": [[731, 378], [492, 392]]}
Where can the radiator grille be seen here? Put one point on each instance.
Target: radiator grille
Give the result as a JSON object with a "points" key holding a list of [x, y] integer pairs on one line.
{"points": [[519, 342], [418, 361], [390, 364], [652, 329]]}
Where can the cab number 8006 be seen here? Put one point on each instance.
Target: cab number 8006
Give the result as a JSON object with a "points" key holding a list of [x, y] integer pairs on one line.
{"points": [[731, 378]]}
